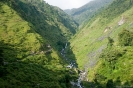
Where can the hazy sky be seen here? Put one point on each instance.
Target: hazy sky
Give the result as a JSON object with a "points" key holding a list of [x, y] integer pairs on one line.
{"points": [[67, 4]]}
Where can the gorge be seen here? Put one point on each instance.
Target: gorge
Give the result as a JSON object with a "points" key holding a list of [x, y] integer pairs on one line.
{"points": [[42, 46]]}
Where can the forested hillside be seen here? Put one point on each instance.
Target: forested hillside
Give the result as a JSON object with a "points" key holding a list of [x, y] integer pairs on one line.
{"points": [[86, 12], [40, 46], [32, 35], [116, 63], [103, 48]]}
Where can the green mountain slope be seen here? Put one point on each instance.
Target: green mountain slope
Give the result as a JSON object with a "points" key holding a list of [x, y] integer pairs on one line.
{"points": [[85, 12], [34, 37], [115, 67], [90, 41], [32, 34]]}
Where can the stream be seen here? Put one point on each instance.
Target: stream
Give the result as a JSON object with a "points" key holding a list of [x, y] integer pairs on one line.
{"points": [[82, 74]]}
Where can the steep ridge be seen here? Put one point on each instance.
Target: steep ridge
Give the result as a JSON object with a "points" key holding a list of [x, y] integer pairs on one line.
{"points": [[32, 34], [85, 12], [34, 37], [105, 68]]}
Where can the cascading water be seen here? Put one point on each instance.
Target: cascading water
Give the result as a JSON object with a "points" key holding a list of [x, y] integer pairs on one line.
{"points": [[72, 65]]}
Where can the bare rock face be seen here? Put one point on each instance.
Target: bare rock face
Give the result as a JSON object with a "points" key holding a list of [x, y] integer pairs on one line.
{"points": [[122, 21]]}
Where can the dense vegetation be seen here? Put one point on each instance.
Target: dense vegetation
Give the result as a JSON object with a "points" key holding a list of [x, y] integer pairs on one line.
{"points": [[86, 12], [33, 37], [103, 47], [115, 67], [32, 34], [94, 36]]}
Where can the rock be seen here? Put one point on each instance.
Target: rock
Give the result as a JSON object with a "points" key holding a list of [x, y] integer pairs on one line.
{"points": [[121, 21]]}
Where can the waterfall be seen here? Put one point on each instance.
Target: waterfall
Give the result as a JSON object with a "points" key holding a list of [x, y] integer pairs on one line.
{"points": [[72, 65], [66, 46]]}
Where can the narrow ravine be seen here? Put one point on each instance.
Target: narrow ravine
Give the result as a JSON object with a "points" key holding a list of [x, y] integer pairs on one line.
{"points": [[82, 74]]}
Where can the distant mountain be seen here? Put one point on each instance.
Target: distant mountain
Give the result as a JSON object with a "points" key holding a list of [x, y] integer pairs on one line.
{"points": [[32, 35], [104, 46], [87, 11]]}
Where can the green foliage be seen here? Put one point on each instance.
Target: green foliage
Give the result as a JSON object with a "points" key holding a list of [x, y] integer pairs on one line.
{"points": [[48, 21], [1, 57], [104, 48], [61, 44], [110, 42], [112, 55], [125, 38], [115, 9], [87, 11], [110, 84], [114, 69], [29, 53], [21, 74], [91, 39]]}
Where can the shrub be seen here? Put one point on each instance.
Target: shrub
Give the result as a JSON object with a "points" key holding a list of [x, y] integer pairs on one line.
{"points": [[125, 38]]}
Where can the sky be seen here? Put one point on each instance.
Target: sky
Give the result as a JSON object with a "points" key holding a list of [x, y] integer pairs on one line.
{"points": [[67, 4]]}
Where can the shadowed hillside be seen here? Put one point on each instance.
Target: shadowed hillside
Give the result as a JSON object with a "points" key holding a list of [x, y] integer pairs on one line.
{"points": [[40, 46], [32, 35]]}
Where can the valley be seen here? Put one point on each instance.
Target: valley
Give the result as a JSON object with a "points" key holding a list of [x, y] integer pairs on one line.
{"points": [[42, 46], [99, 36], [84, 13]]}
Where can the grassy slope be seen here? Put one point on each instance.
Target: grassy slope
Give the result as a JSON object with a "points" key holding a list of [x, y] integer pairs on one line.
{"points": [[20, 33], [115, 67], [88, 43], [92, 38], [24, 61], [118, 70], [49, 21]]}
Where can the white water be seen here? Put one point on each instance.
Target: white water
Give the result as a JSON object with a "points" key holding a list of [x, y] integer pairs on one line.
{"points": [[81, 77], [66, 46], [79, 82], [72, 65]]}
